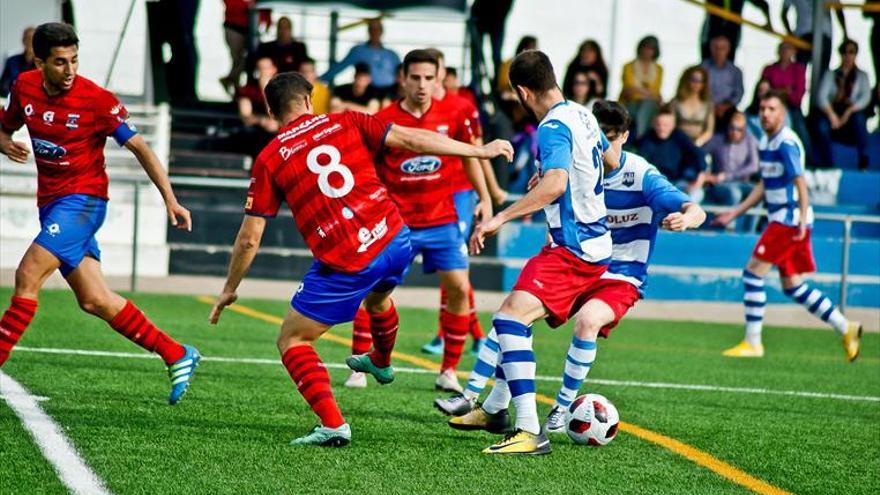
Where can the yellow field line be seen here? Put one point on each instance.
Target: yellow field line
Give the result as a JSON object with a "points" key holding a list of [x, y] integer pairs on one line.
{"points": [[689, 452]]}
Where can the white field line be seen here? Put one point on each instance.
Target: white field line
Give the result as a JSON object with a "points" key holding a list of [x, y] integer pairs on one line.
{"points": [[542, 378], [74, 473]]}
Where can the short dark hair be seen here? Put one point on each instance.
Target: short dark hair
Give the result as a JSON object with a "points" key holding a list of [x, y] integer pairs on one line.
{"points": [[846, 43], [362, 68], [532, 69], [420, 56], [666, 109], [284, 89], [775, 93], [451, 71], [50, 35], [652, 42], [613, 118], [308, 60]]}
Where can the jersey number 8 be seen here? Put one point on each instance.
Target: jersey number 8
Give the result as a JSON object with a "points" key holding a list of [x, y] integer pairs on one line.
{"points": [[324, 171]]}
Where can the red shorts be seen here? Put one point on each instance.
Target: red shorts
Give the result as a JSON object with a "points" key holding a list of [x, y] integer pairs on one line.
{"points": [[791, 257], [561, 281], [620, 296]]}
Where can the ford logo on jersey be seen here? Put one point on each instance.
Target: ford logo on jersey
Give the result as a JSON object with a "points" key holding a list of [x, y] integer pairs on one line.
{"points": [[421, 165], [48, 149]]}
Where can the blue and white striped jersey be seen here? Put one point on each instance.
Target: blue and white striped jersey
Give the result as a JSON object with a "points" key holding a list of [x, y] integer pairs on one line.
{"points": [[638, 198], [782, 159], [569, 138]]}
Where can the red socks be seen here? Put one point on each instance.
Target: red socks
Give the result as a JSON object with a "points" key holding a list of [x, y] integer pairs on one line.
{"points": [[384, 329], [13, 324], [311, 378], [361, 338], [476, 329], [455, 330], [134, 326]]}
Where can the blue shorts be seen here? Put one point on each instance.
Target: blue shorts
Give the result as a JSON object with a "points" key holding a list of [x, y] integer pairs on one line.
{"points": [[331, 297], [465, 204], [68, 226], [442, 248]]}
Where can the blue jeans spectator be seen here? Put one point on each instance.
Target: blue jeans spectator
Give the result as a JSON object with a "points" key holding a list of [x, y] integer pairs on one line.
{"points": [[855, 131]]}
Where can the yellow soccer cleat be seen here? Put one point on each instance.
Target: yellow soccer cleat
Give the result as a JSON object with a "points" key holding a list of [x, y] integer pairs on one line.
{"points": [[479, 419], [521, 442], [744, 349], [852, 340]]}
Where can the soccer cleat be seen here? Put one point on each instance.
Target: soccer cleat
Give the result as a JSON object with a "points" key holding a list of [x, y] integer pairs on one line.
{"points": [[433, 347], [479, 419], [744, 349], [363, 363], [555, 422], [356, 380], [457, 405], [322, 436], [181, 373], [852, 340], [478, 344], [521, 442], [448, 382]]}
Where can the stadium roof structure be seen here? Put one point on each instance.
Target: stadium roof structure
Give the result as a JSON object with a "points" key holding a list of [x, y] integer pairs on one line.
{"points": [[459, 6]]}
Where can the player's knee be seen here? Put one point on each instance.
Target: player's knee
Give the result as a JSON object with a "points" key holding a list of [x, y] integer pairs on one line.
{"points": [[458, 291], [27, 279], [588, 328], [96, 305]]}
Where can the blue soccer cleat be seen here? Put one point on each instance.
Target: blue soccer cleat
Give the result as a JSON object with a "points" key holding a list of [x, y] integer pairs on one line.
{"points": [[433, 347], [181, 373]]}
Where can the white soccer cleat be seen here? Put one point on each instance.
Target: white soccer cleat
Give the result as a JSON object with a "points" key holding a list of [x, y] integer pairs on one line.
{"points": [[356, 380], [447, 381]]}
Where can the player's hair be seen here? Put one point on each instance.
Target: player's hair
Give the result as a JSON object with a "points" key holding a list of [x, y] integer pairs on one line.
{"points": [[436, 53], [419, 57], [284, 89], [50, 35], [532, 69], [774, 93], [613, 118]]}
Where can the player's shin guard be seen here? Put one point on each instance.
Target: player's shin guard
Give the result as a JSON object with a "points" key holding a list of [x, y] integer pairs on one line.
{"points": [[361, 338], [310, 376], [384, 331], [518, 364], [455, 330], [499, 397], [133, 325], [754, 300], [484, 368], [818, 304], [476, 328], [14, 322], [581, 354]]}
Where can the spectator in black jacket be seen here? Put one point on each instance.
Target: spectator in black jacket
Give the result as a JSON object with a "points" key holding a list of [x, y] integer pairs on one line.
{"points": [[285, 51], [589, 60], [674, 154]]}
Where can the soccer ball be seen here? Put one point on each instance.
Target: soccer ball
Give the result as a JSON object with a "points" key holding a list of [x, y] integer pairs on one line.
{"points": [[591, 420]]}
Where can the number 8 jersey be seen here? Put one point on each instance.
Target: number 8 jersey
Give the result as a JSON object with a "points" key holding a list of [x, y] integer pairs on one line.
{"points": [[323, 167]]}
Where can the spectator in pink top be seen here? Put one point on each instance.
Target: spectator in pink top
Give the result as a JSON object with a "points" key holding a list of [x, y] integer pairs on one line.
{"points": [[789, 77]]}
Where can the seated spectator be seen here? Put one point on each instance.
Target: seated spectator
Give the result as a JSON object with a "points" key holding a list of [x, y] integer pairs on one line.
{"points": [[359, 96], [584, 89], [752, 112], [642, 79], [17, 64], [259, 127], [725, 80], [674, 154], [452, 85], [502, 79], [285, 51], [843, 97], [589, 60], [693, 106], [789, 77], [320, 91], [381, 61], [734, 159]]}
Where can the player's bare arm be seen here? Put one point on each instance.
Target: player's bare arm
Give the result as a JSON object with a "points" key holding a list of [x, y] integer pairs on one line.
{"points": [[177, 214], [243, 252], [422, 141], [551, 185], [15, 150], [751, 200], [691, 216], [803, 205]]}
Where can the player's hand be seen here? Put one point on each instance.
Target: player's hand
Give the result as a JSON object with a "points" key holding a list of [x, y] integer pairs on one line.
{"points": [[482, 212], [725, 218], [674, 222], [15, 150], [224, 300], [802, 232], [498, 147], [482, 232], [175, 210], [533, 181]]}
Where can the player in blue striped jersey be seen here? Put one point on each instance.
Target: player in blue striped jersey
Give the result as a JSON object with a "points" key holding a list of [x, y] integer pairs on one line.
{"points": [[786, 241]]}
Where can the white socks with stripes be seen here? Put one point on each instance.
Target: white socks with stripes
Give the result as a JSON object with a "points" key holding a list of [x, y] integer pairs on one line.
{"points": [[820, 305], [754, 300]]}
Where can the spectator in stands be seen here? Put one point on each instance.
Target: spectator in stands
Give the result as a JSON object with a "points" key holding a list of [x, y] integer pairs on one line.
{"points": [[320, 91], [583, 89], [734, 158], [789, 77], [753, 118], [359, 95], [674, 154], [502, 79], [725, 80], [452, 84], [803, 28], [489, 18], [589, 60], [381, 61], [285, 51], [259, 127], [235, 30], [693, 105], [17, 64], [843, 97], [642, 79], [718, 26]]}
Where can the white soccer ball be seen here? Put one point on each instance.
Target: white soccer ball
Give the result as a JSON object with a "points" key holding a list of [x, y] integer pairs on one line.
{"points": [[592, 420]]}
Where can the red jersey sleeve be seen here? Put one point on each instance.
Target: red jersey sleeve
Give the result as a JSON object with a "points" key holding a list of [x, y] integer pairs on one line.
{"points": [[372, 129], [12, 115], [263, 198], [112, 119]]}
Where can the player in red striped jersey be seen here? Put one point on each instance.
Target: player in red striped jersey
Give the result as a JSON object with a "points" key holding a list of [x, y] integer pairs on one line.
{"points": [[69, 119], [323, 167]]}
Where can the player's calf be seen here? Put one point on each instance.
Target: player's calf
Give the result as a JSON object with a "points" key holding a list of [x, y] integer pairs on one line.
{"points": [[14, 322]]}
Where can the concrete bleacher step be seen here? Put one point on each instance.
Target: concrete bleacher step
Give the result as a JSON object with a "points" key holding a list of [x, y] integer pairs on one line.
{"points": [[209, 163]]}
